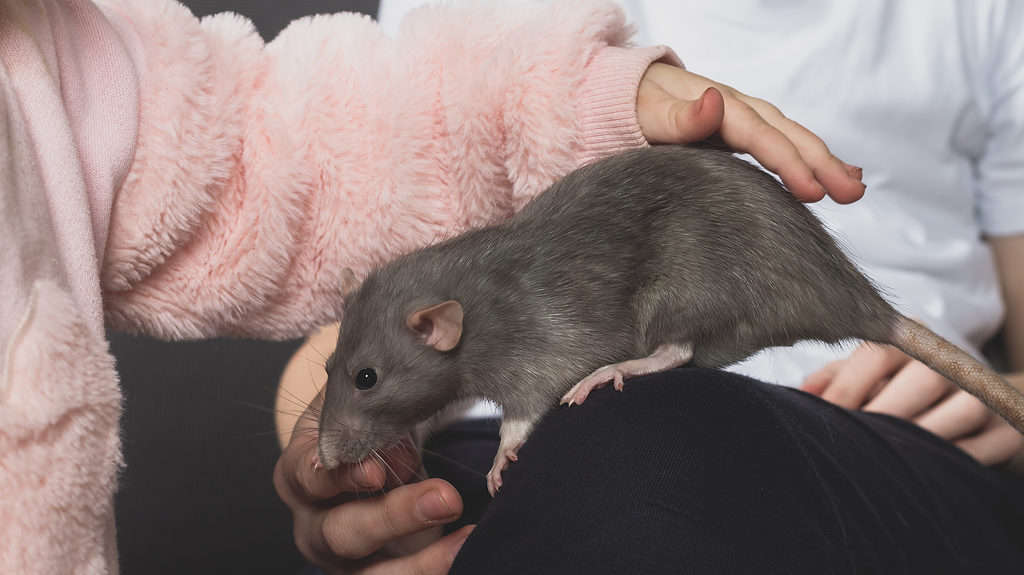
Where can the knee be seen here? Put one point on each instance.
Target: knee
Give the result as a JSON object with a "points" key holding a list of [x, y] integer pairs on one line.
{"points": [[678, 461], [687, 418]]}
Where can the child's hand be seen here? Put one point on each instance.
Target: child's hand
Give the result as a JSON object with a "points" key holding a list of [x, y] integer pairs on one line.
{"points": [[883, 379], [676, 106], [341, 529]]}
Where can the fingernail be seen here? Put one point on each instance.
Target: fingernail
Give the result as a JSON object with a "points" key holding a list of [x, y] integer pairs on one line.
{"points": [[432, 506]]}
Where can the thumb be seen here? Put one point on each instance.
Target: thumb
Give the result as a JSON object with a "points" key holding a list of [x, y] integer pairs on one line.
{"points": [[666, 119]]}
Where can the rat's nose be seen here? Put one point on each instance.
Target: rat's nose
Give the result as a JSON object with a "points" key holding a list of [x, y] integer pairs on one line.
{"points": [[327, 455]]}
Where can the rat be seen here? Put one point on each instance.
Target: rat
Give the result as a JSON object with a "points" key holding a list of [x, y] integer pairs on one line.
{"points": [[647, 260]]}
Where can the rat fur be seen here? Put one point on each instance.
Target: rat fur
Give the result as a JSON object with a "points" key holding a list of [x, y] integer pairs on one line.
{"points": [[644, 261]]}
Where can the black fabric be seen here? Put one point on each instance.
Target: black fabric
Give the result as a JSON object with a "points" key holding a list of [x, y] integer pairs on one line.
{"points": [[271, 16], [196, 495], [701, 471], [462, 454]]}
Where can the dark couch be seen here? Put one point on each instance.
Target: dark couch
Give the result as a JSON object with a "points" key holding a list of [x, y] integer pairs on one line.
{"points": [[196, 496]]}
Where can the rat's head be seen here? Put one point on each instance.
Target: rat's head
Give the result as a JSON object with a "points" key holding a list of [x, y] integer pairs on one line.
{"points": [[393, 367]]}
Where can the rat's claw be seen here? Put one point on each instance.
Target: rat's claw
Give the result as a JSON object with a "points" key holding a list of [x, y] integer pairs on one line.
{"points": [[501, 462], [599, 378], [316, 462], [666, 356], [493, 481]]}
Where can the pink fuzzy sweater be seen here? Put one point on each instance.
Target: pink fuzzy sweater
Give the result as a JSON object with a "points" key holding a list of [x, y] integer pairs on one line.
{"points": [[178, 177]]}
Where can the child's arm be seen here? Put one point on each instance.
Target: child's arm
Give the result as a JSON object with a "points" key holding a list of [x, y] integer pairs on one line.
{"points": [[262, 171]]}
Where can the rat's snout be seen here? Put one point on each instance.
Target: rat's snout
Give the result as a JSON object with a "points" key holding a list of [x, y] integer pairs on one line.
{"points": [[334, 451], [345, 439]]}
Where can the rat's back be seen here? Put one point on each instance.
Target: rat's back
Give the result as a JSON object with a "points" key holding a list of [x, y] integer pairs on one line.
{"points": [[712, 237]]}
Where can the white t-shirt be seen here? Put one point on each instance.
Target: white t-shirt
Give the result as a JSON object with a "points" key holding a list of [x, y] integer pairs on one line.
{"points": [[926, 96]]}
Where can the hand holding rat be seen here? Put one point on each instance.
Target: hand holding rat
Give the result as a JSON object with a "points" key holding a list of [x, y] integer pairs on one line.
{"points": [[883, 379], [367, 535], [678, 106]]}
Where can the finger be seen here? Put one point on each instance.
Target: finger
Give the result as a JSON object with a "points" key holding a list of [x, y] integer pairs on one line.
{"points": [[360, 527], [299, 483], [818, 381], [401, 463], [746, 131], [296, 480], [435, 559], [958, 416], [841, 180], [996, 444], [910, 392], [865, 369], [667, 119]]}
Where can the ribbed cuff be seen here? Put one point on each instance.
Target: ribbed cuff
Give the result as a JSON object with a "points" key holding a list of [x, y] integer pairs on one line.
{"points": [[607, 104]]}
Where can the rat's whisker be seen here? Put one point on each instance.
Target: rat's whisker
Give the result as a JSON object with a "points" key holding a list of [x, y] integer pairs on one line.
{"points": [[363, 492], [302, 407], [312, 361], [264, 408], [312, 379], [387, 466], [289, 394], [419, 474], [459, 464], [253, 434], [314, 348]]}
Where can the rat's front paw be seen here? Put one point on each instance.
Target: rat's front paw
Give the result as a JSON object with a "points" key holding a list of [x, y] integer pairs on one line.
{"points": [[501, 461]]}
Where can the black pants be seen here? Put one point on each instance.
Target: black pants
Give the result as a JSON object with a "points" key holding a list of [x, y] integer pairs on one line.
{"points": [[701, 471]]}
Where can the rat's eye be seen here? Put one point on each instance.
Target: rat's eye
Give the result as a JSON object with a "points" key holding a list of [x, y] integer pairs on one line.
{"points": [[366, 378]]}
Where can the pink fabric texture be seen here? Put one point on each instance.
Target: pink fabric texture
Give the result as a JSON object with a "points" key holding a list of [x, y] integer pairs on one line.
{"points": [[68, 101], [186, 180], [337, 146]]}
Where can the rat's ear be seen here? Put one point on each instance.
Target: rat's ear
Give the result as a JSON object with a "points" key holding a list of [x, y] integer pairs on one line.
{"points": [[440, 325], [349, 283]]}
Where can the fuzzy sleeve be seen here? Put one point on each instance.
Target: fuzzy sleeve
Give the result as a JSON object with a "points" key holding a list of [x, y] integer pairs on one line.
{"points": [[261, 171]]}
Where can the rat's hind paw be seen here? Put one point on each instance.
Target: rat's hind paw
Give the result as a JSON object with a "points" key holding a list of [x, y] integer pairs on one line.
{"points": [[666, 356], [599, 378]]}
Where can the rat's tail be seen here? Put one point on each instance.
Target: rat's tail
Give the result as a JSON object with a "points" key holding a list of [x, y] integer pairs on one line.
{"points": [[961, 368]]}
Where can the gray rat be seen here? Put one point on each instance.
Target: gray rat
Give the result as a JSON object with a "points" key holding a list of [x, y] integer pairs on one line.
{"points": [[644, 261]]}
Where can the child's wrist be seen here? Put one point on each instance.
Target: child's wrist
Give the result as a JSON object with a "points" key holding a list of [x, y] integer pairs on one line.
{"points": [[607, 99]]}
